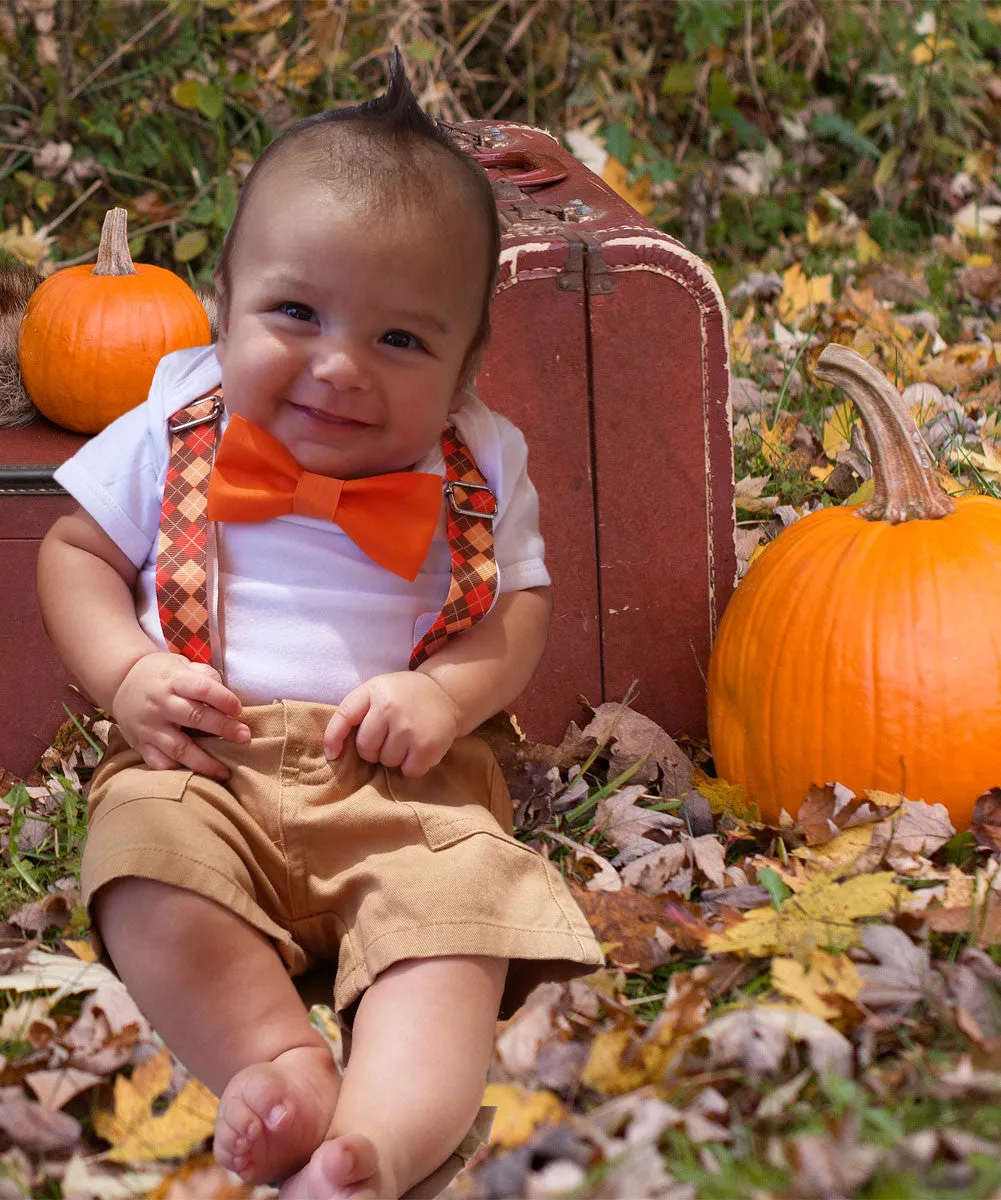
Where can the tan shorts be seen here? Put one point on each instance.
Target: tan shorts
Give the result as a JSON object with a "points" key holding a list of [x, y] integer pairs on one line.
{"points": [[342, 860]]}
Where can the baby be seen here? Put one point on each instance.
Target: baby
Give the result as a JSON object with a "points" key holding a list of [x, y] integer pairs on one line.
{"points": [[369, 554]]}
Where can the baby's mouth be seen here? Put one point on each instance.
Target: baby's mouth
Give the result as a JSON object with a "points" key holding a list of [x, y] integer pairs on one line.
{"points": [[333, 420]]}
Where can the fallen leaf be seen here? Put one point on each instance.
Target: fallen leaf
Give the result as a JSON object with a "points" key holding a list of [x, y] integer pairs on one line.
{"points": [[133, 1130], [820, 915], [634, 738], [625, 923], [56, 1088], [757, 1039], [201, 1178], [61, 973], [637, 194], [830, 1168], [817, 986], [520, 1112], [660, 871], [802, 295], [987, 820], [605, 877], [900, 974], [83, 1180], [32, 1126], [830, 809], [624, 822]]}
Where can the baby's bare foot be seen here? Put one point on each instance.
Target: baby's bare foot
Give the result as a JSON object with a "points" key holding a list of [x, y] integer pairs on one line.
{"points": [[273, 1115], [345, 1168]]}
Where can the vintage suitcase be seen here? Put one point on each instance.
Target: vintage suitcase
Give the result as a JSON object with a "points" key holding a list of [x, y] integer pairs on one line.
{"points": [[610, 351]]}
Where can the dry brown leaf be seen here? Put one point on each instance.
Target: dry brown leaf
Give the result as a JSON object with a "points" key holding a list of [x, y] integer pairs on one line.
{"points": [[832, 1168], [56, 1088], [757, 1039], [634, 738], [32, 1126], [830, 809], [625, 922], [202, 1178], [987, 820], [900, 973], [663, 870], [625, 823], [980, 922]]}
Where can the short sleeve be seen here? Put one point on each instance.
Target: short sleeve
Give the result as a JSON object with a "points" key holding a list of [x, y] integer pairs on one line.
{"points": [[502, 455], [117, 477]]}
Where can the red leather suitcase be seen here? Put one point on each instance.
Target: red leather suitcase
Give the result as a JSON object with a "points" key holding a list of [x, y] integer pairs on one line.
{"points": [[609, 350]]}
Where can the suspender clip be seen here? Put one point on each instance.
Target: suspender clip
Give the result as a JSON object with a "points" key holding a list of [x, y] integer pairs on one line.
{"points": [[465, 509], [212, 415]]}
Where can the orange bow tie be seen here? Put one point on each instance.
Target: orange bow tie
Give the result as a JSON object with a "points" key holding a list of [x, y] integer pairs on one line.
{"points": [[391, 517]]}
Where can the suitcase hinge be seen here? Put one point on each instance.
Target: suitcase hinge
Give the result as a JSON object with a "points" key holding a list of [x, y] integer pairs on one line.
{"points": [[585, 267]]}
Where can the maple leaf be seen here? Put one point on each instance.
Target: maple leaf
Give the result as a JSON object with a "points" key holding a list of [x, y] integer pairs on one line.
{"points": [[136, 1134], [821, 914], [801, 294], [757, 1037], [824, 979]]}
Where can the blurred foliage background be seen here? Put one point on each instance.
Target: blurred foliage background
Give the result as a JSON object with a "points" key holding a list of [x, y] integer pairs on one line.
{"points": [[726, 121]]}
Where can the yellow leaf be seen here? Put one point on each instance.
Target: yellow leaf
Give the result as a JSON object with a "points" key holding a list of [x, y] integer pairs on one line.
{"points": [[814, 227], [136, 1134], [801, 294], [775, 442], [618, 1064], [979, 260], [821, 915], [838, 429], [83, 950], [638, 195], [740, 348], [821, 473], [723, 796], [841, 849], [520, 1112], [825, 975], [866, 249]]}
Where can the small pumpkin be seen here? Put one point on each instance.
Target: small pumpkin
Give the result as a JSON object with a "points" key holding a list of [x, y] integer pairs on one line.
{"points": [[864, 644], [90, 338]]}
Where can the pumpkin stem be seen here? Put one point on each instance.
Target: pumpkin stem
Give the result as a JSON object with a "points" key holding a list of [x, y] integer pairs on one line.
{"points": [[113, 256], [903, 476]]}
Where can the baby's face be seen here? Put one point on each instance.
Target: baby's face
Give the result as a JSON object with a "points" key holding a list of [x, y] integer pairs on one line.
{"points": [[345, 334]]}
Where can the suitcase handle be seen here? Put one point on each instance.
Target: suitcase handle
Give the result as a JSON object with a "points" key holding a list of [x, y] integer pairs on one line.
{"points": [[522, 167]]}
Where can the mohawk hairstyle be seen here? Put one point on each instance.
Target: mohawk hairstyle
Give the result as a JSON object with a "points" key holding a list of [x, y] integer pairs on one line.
{"points": [[382, 132]]}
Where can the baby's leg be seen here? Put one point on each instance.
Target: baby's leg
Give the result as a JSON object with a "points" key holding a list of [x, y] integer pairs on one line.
{"points": [[217, 992], [420, 1048]]}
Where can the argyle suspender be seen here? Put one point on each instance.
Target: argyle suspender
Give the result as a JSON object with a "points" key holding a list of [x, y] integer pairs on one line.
{"points": [[183, 581]]}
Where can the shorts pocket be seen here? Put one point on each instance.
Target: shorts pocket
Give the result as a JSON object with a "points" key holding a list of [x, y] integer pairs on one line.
{"points": [[137, 783], [444, 825]]}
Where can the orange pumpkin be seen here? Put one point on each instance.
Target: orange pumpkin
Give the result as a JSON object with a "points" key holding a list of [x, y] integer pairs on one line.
{"points": [[90, 338], [864, 644]]}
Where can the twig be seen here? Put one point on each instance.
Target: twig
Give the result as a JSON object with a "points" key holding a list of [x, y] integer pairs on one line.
{"points": [[127, 45]]}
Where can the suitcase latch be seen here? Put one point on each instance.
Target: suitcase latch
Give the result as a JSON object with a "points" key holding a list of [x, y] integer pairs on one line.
{"points": [[585, 268]]}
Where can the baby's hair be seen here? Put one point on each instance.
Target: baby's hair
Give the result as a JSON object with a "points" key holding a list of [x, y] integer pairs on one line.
{"points": [[396, 156]]}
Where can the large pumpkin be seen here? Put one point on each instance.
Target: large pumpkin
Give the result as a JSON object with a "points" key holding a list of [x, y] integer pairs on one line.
{"points": [[864, 644], [90, 338]]}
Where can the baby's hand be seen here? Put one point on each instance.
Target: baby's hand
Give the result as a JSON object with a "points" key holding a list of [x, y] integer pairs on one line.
{"points": [[404, 720], [163, 692]]}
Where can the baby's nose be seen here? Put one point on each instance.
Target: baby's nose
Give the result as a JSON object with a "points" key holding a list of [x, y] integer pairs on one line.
{"points": [[341, 364]]}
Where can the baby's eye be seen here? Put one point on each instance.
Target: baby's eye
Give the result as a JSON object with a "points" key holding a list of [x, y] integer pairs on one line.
{"points": [[298, 312], [399, 339]]}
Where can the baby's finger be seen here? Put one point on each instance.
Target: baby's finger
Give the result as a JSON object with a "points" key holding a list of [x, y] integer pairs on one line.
{"points": [[395, 747], [155, 759], [371, 735], [420, 760], [350, 712], [205, 688], [206, 719], [187, 753]]}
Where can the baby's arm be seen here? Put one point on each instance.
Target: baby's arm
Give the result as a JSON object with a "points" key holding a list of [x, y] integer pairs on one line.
{"points": [[85, 587], [410, 719]]}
